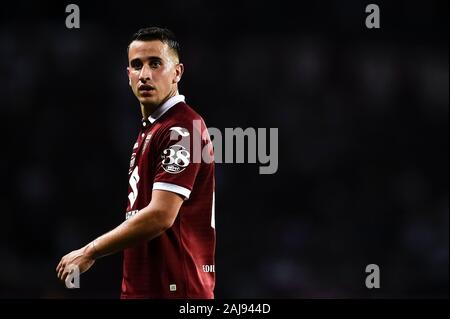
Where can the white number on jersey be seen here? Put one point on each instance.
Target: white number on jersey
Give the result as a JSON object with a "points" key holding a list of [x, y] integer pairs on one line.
{"points": [[134, 180]]}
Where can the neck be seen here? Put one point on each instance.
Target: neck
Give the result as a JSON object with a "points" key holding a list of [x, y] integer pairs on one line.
{"points": [[147, 110]]}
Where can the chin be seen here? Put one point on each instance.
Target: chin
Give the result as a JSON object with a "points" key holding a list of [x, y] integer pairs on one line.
{"points": [[149, 101]]}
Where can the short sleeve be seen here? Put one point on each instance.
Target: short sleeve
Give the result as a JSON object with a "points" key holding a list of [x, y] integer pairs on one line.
{"points": [[176, 170]]}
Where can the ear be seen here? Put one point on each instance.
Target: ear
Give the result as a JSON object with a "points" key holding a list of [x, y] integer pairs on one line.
{"points": [[179, 69]]}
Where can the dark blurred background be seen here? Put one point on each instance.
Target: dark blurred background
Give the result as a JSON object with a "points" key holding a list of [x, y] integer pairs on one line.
{"points": [[363, 142]]}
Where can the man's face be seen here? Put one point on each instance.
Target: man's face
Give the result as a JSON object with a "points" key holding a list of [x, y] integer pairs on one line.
{"points": [[153, 71]]}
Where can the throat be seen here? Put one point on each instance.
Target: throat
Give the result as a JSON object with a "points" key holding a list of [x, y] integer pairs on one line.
{"points": [[148, 110]]}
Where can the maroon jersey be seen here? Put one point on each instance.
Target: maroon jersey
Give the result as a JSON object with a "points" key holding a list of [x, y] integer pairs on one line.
{"points": [[173, 152]]}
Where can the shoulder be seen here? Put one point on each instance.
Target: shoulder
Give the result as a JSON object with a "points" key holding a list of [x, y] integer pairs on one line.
{"points": [[183, 112], [181, 115]]}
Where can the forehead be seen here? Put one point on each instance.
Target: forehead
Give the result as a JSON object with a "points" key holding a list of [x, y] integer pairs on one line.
{"points": [[144, 49]]}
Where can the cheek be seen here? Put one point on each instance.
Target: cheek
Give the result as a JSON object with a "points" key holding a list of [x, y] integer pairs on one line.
{"points": [[166, 74], [133, 81]]}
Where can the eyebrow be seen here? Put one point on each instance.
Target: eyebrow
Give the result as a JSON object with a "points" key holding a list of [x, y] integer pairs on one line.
{"points": [[150, 58]]}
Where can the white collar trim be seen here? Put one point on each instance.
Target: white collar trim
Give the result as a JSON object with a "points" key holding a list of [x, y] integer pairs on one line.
{"points": [[165, 107]]}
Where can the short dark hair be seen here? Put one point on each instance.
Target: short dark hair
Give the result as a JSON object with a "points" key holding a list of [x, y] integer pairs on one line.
{"points": [[155, 33]]}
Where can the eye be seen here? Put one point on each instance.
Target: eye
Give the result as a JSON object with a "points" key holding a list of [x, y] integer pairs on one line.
{"points": [[155, 64], [136, 64]]}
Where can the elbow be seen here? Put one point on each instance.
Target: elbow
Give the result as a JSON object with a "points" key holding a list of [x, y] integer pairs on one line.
{"points": [[166, 224], [154, 222], [164, 221], [160, 229]]}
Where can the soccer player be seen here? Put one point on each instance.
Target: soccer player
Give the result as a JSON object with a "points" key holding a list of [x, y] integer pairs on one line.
{"points": [[168, 237]]}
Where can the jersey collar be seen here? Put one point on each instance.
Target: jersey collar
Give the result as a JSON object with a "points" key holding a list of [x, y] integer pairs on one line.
{"points": [[165, 107]]}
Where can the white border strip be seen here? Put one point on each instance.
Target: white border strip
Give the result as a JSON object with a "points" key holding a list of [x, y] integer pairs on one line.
{"points": [[174, 100], [172, 188]]}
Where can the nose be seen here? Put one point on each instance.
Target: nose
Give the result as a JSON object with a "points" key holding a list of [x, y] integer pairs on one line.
{"points": [[145, 74]]}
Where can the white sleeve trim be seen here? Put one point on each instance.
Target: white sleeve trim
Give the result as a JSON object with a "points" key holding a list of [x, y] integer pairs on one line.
{"points": [[173, 188]]}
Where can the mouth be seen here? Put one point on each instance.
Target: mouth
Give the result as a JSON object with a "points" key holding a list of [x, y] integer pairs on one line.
{"points": [[146, 87], [146, 90]]}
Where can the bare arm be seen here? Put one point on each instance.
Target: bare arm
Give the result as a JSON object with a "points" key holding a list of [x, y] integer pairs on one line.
{"points": [[147, 224]]}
